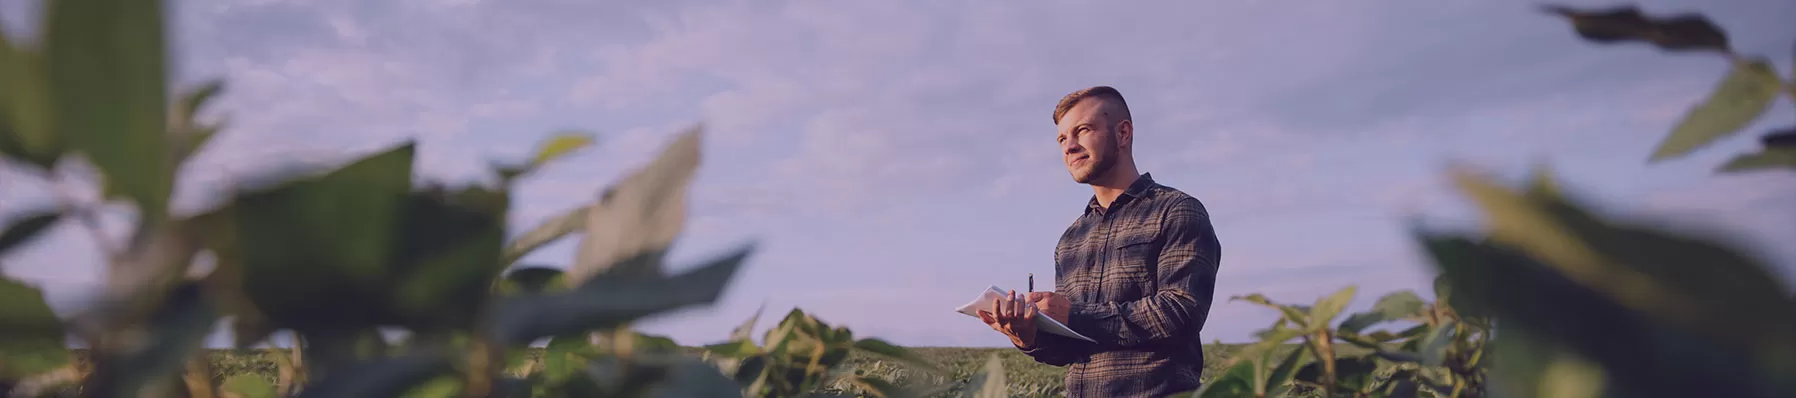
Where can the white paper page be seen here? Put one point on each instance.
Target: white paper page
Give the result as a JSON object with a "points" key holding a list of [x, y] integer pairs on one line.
{"points": [[1042, 322]]}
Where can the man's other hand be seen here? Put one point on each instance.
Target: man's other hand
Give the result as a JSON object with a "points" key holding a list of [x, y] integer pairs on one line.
{"points": [[1053, 305], [1014, 317]]}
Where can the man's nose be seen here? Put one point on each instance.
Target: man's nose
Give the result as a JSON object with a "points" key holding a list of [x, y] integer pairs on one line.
{"points": [[1070, 147]]}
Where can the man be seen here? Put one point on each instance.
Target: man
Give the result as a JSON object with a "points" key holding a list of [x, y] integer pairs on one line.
{"points": [[1136, 271]]}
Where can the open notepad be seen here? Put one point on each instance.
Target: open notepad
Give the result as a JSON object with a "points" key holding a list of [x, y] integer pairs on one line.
{"points": [[1042, 322]]}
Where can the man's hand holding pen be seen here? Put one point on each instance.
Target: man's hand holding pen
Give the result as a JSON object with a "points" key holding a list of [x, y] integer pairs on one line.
{"points": [[1014, 314]]}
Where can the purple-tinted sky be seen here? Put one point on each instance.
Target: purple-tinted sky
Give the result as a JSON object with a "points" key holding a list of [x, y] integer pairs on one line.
{"points": [[894, 158]]}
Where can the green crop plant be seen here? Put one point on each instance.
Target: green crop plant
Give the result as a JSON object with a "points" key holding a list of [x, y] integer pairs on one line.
{"points": [[1745, 94], [802, 356], [333, 256], [1440, 355], [1553, 300]]}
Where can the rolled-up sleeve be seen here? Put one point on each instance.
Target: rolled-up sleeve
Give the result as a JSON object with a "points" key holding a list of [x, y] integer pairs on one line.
{"points": [[1186, 276]]}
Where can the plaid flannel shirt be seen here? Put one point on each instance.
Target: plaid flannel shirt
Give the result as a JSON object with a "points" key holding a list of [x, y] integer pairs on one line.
{"points": [[1141, 276]]}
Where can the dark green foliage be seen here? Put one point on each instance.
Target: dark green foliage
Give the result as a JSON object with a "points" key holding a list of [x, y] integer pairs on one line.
{"points": [[1626, 24], [1742, 96], [1550, 298], [31, 341], [22, 228]]}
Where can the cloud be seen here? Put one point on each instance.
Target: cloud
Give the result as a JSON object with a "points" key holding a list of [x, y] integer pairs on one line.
{"points": [[890, 158]]}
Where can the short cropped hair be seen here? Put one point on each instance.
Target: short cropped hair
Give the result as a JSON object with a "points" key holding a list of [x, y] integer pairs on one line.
{"points": [[1107, 93]]}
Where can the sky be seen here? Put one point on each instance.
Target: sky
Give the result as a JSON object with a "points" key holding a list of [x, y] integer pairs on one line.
{"points": [[890, 160]]}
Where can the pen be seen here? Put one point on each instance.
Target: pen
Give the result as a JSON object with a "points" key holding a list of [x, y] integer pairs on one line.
{"points": [[1032, 282]]}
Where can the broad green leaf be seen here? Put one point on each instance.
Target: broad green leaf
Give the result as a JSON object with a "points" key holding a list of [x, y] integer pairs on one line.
{"points": [[1562, 313], [1276, 331], [1741, 97], [379, 378], [883, 348], [640, 215], [1328, 307], [1296, 316], [1235, 382], [32, 340], [561, 144], [534, 280], [1286, 369], [1643, 269], [317, 252], [107, 73], [247, 385], [25, 113], [447, 258], [21, 229], [173, 331], [990, 382], [1624, 24], [1391, 307], [548, 232], [218, 233], [1768, 159], [606, 302]]}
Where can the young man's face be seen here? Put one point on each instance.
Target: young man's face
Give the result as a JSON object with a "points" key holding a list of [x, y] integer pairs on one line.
{"points": [[1088, 141]]}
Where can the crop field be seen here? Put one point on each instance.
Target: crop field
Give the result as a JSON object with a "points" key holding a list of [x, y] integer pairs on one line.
{"points": [[1026, 377]]}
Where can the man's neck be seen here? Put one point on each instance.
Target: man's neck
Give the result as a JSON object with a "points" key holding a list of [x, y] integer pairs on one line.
{"points": [[1112, 186]]}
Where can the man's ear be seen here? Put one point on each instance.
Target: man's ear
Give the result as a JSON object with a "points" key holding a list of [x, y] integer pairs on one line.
{"points": [[1125, 133]]}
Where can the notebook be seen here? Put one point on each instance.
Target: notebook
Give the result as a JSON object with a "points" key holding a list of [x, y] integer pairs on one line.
{"points": [[1042, 323]]}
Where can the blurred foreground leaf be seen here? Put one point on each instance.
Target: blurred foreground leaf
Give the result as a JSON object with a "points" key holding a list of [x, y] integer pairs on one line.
{"points": [[22, 228], [31, 341], [640, 215], [605, 302], [161, 342], [1645, 270], [108, 75], [1662, 315], [1626, 24], [380, 378], [26, 132], [1391, 307], [1746, 92], [1768, 159]]}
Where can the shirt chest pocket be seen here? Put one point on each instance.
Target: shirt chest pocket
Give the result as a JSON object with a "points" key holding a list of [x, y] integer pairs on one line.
{"points": [[1129, 267]]}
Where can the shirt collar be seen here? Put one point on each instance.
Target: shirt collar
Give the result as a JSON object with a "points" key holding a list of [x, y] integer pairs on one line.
{"points": [[1135, 190]]}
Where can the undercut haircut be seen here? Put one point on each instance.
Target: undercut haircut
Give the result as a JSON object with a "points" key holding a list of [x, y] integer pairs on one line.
{"points": [[1115, 106]]}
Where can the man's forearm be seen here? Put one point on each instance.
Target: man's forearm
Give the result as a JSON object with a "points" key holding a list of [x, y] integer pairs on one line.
{"points": [[1167, 314]]}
